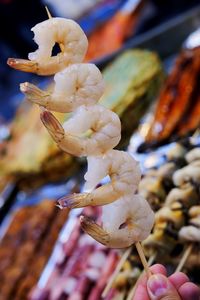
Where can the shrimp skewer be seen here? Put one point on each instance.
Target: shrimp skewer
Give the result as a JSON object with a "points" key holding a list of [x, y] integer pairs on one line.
{"points": [[121, 171], [76, 85], [129, 220], [126, 217], [46, 35], [105, 126]]}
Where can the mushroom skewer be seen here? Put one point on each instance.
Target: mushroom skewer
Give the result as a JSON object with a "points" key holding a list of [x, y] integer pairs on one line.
{"points": [[190, 233]]}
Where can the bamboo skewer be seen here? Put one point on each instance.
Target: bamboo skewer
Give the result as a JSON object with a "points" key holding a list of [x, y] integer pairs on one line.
{"points": [[150, 261], [116, 272], [42, 109], [50, 17], [143, 259], [184, 257], [121, 263], [48, 13], [152, 258]]}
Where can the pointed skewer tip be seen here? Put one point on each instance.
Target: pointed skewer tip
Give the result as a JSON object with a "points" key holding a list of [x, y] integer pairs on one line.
{"points": [[48, 13]]}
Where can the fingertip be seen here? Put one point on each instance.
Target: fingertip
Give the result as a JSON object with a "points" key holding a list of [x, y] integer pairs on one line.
{"points": [[189, 291], [158, 268], [178, 279], [155, 269], [159, 287]]}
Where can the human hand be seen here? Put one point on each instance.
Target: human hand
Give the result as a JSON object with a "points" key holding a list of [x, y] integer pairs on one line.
{"points": [[159, 287]]}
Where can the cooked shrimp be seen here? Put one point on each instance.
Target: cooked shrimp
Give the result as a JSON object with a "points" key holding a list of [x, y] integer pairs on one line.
{"points": [[127, 218], [104, 124], [124, 175], [124, 222], [78, 84], [65, 32]]}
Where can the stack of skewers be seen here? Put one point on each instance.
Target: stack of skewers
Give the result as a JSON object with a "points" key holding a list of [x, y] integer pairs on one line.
{"points": [[176, 192]]}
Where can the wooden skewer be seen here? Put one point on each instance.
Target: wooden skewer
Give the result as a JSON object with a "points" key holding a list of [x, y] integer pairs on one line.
{"points": [[120, 265], [150, 261], [152, 258], [116, 272], [143, 259], [48, 13], [184, 257], [42, 109], [50, 17]]}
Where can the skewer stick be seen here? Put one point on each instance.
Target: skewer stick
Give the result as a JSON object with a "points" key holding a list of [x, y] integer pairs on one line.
{"points": [[116, 272], [152, 258], [48, 13], [50, 17], [184, 257], [42, 109], [150, 261], [143, 259]]}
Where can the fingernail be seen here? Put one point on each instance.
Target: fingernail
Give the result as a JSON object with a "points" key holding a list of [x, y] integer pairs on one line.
{"points": [[157, 285]]}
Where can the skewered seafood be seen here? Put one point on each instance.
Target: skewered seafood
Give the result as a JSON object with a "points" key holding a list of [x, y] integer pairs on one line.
{"points": [[76, 85], [134, 222], [104, 124], [124, 178], [130, 213], [55, 30]]}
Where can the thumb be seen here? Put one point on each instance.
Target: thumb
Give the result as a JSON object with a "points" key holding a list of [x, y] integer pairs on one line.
{"points": [[160, 288]]}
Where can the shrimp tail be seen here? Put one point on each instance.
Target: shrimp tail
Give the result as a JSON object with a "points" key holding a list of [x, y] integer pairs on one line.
{"points": [[74, 200], [65, 141], [53, 126], [24, 65], [94, 230], [34, 94]]}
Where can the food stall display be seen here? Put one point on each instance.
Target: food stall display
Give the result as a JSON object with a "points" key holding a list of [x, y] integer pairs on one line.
{"points": [[44, 252]]}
